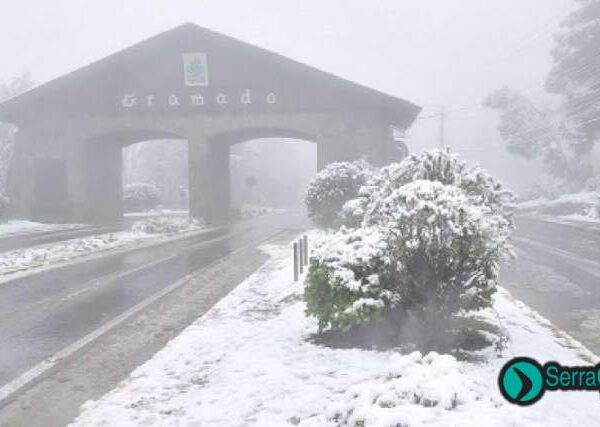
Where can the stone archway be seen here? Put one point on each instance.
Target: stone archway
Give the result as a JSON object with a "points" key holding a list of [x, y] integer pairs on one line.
{"points": [[193, 84]]}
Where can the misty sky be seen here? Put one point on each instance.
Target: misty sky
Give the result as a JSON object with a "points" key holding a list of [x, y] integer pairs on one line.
{"points": [[450, 52]]}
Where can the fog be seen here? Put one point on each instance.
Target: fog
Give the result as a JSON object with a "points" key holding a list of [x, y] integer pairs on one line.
{"points": [[299, 212], [433, 52]]}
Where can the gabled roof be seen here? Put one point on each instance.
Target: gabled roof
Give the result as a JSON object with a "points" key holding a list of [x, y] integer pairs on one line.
{"points": [[82, 82]]}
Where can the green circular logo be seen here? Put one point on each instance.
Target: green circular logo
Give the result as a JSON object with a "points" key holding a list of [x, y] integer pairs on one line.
{"points": [[521, 381]]}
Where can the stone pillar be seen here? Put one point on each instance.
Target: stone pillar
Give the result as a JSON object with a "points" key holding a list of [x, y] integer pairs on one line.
{"points": [[209, 179], [98, 196], [38, 179], [20, 180]]}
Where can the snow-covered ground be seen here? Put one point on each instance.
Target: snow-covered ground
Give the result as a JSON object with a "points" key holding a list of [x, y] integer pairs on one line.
{"points": [[157, 212], [31, 259], [16, 226], [248, 362], [253, 211], [584, 206]]}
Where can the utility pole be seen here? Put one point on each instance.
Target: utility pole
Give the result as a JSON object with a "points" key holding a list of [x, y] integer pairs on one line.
{"points": [[442, 118]]}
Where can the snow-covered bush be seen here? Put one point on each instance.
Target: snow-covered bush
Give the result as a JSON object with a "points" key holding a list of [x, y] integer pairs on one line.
{"points": [[4, 204], [166, 225], [427, 250], [441, 166], [344, 285], [432, 235], [331, 188], [140, 197], [445, 248]]}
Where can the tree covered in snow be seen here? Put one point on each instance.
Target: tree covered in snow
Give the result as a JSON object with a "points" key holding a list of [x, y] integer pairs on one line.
{"points": [[538, 133], [562, 137], [140, 197], [331, 188], [432, 236], [574, 74], [16, 86]]}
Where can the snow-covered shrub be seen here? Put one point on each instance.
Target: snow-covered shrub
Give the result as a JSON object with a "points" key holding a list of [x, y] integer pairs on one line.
{"points": [[408, 394], [4, 204], [343, 284], [445, 248], [166, 225], [331, 188], [426, 250], [433, 231], [140, 197], [446, 168]]}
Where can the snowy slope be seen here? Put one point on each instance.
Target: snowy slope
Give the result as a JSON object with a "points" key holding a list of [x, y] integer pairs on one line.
{"points": [[247, 362]]}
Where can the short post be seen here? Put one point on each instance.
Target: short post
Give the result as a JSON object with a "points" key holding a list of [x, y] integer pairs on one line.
{"points": [[295, 261], [301, 255], [305, 250]]}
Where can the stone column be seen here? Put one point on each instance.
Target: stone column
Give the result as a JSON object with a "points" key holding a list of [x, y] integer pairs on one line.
{"points": [[20, 180], [95, 182], [209, 179]]}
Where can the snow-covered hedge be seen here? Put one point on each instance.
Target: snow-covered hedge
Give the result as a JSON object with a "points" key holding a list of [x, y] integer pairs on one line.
{"points": [[140, 197], [432, 236], [166, 225], [332, 187]]}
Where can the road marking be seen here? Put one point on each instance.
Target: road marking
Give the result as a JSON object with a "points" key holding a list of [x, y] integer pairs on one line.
{"points": [[41, 368], [91, 284]]}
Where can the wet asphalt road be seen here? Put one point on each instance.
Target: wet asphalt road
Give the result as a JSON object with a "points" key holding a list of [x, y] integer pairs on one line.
{"points": [[557, 273], [42, 313]]}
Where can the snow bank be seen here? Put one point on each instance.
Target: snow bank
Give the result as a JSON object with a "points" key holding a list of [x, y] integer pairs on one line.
{"points": [[21, 226], [166, 225], [28, 259], [248, 362], [576, 206], [157, 212], [249, 211]]}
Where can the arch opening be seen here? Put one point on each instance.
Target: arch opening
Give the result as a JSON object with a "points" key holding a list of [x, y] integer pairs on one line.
{"points": [[270, 174], [128, 174]]}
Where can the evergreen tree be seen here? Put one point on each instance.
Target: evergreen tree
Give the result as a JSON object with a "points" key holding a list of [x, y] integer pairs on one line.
{"points": [[18, 85], [535, 133], [576, 73]]}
